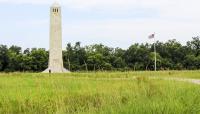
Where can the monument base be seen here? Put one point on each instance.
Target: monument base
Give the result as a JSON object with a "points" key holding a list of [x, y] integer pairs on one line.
{"points": [[54, 70]]}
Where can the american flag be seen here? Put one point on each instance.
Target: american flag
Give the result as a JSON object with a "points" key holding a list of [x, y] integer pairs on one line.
{"points": [[151, 36]]}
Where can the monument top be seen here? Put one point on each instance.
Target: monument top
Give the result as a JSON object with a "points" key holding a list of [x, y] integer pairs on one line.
{"points": [[56, 4]]}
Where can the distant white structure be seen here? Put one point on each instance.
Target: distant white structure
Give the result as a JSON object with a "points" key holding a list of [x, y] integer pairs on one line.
{"points": [[55, 48]]}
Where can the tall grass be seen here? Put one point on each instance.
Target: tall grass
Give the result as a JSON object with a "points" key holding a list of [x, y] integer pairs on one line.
{"points": [[85, 93]]}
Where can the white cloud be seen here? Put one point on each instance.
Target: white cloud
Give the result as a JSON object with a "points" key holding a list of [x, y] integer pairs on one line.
{"points": [[123, 33], [167, 8], [32, 23], [177, 19]]}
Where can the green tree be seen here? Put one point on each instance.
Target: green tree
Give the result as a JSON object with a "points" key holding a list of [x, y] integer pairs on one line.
{"points": [[195, 45], [75, 57], [99, 57], [118, 58], [137, 56], [173, 54], [15, 59], [39, 59], [3, 57]]}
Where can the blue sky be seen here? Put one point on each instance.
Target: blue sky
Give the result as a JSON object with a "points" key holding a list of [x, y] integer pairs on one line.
{"points": [[116, 23]]}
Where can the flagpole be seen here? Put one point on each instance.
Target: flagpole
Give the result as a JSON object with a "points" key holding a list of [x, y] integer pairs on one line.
{"points": [[155, 64]]}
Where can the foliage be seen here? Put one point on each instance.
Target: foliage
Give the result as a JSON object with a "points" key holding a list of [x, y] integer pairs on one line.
{"points": [[171, 55]]}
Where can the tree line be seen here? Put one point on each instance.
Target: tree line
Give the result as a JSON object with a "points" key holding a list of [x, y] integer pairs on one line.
{"points": [[171, 55]]}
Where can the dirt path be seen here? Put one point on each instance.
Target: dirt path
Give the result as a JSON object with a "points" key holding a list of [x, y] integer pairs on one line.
{"points": [[194, 81]]}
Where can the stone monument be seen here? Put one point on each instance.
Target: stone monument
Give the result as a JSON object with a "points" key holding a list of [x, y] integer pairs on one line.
{"points": [[55, 44]]}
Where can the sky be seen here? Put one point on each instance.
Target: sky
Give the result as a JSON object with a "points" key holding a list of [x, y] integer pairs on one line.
{"points": [[115, 23]]}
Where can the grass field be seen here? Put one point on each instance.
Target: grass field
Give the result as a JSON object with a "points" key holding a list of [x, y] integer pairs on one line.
{"points": [[99, 93]]}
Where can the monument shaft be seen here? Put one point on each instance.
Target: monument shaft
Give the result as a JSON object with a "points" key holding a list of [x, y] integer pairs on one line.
{"points": [[55, 43], [55, 55]]}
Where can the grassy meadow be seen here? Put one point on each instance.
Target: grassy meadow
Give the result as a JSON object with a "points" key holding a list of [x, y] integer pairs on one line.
{"points": [[99, 93]]}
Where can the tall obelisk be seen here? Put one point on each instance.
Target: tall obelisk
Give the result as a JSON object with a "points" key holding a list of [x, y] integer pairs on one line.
{"points": [[55, 48]]}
